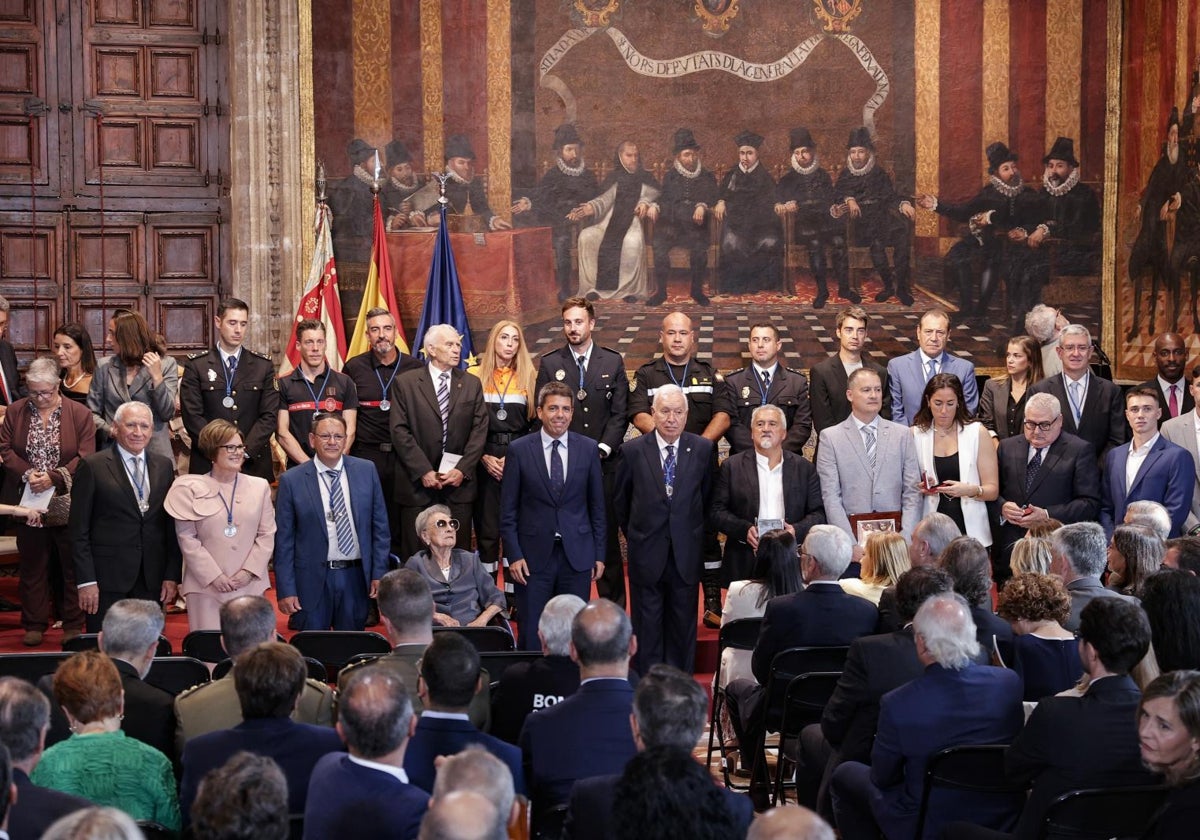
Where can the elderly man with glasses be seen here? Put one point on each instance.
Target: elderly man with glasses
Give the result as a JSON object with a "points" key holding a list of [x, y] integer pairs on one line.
{"points": [[1045, 473]]}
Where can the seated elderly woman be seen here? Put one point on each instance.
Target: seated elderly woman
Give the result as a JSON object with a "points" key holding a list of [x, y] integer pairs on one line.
{"points": [[463, 593], [1045, 654], [98, 762]]}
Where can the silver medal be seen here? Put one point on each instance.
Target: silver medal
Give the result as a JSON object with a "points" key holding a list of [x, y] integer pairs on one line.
{"points": [[227, 402], [385, 405], [143, 505], [231, 530], [581, 394], [501, 414]]}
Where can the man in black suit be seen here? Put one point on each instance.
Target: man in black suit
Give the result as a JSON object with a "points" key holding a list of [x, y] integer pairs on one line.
{"points": [[766, 381], [597, 378], [966, 560], [1092, 408], [669, 713], [437, 412], [24, 719], [789, 491], [829, 376], [122, 539], [663, 481], [230, 382], [525, 687], [1044, 474], [10, 379], [130, 639], [1172, 387]]}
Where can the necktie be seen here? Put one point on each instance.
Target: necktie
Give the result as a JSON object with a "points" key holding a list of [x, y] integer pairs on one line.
{"points": [[443, 397], [766, 378], [582, 360], [1173, 402], [232, 364], [557, 479], [1076, 402], [1032, 470], [341, 520], [139, 481], [669, 470], [869, 441], [931, 367]]}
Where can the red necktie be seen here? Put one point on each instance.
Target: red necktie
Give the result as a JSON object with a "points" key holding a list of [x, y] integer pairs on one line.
{"points": [[1173, 402], [4, 391]]}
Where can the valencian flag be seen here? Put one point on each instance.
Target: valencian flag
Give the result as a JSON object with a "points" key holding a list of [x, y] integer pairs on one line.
{"points": [[443, 295], [320, 300], [379, 292]]}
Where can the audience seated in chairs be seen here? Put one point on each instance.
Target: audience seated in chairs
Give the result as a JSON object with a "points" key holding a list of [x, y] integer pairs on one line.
{"points": [[665, 794], [366, 793], [406, 610], [476, 770], [129, 637], [929, 540], [246, 798], [1079, 556], [449, 679], [528, 686], [98, 761], [1044, 655], [669, 710], [24, 719], [246, 622], [269, 680]]}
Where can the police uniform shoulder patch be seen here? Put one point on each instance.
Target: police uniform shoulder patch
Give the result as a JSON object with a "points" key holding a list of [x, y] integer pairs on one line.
{"points": [[198, 354], [261, 355]]}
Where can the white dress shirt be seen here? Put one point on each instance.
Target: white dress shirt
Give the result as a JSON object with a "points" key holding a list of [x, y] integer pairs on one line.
{"points": [[1137, 457], [547, 443], [770, 488]]}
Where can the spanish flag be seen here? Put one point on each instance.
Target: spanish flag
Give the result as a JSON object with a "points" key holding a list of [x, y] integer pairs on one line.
{"points": [[380, 291]]}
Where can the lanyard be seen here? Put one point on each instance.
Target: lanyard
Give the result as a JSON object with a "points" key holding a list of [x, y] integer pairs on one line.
{"points": [[140, 486], [762, 392], [229, 373], [229, 507], [507, 384], [324, 382], [682, 381], [383, 389]]}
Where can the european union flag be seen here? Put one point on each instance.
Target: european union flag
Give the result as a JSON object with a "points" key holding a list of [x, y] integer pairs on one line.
{"points": [[443, 296]]}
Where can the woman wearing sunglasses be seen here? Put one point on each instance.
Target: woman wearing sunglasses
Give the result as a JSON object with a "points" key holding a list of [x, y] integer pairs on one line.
{"points": [[226, 527], [463, 593]]}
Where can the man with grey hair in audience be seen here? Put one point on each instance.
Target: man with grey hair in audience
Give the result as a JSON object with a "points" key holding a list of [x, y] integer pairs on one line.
{"points": [[930, 538], [246, 622], [1150, 514], [528, 686], [1078, 555], [669, 711], [130, 639], [463, 815], [820, 615], [789, 822], [967, 562], [356, 794], [24, 720], [955, 702], [476, 770], [1044, 324]]}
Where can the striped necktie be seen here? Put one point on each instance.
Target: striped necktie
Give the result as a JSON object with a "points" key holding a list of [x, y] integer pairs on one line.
{"points": [[443, 398], [341, 519]]}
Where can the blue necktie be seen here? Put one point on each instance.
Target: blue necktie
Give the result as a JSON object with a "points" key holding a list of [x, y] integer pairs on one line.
{"points": [[557, 479], [232, 368], [341, 519], [669, 470]]}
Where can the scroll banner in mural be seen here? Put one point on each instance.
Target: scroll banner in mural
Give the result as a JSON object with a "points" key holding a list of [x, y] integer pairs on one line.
{"points": [[697, 62]]}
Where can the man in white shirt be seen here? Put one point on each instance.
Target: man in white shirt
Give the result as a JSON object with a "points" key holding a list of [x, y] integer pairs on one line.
{"points": [[1148, 467]]}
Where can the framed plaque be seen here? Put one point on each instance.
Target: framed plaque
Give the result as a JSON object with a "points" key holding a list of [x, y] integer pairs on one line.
{"points": [[865, 524]]}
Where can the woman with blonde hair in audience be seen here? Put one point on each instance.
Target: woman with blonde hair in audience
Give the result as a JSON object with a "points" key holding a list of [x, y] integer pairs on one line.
{"points": [[225, 524], [884, 560], [1031, 555], [95, 823], [508, 374], [959, 470], [1134, 553], [99, 762], [1045, 654], [1002, 401], [1169, 731]]}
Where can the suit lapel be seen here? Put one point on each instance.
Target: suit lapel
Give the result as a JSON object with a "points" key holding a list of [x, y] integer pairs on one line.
{"points": [[854, 438], [750, 481], [1049, 463], [1147, 465], [119, 474], [650, 450], [427, 391]]}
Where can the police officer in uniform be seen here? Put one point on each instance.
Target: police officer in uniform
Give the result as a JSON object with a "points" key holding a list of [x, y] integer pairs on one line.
{"points": [[596, 376], [766, 381], [231, 382], [372, 373], [710, 412]]}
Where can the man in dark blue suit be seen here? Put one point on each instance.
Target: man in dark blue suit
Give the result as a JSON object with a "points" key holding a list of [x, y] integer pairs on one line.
{"points": [[1149, 467], [332, 542], [669, 712], [586, 734], [450, 677], [662, 490], [24, 719], [955, 702], [268, 679], [552, 513], [367, 793]]}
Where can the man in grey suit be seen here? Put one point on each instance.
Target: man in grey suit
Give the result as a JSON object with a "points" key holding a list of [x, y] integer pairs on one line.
{"points": [[1184, 431], [908, 374], [1078, 554], [868, 464]]}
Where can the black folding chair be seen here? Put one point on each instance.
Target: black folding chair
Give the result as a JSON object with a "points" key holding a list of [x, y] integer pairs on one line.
{"points": [[91, 641], [316, 671], [740, 634], [204, 645], [497, 662], [548, 824], [176, 674], [803, 703], [156, 831], [977, 768], [30, 667], [488, 639], [1101, 813], [334, 648]]}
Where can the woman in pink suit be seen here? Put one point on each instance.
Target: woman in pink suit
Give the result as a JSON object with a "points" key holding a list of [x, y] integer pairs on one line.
{"points": [[226, 528]]}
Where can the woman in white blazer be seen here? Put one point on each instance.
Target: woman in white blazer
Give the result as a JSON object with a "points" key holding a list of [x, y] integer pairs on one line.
{"points": [[960, 474]]}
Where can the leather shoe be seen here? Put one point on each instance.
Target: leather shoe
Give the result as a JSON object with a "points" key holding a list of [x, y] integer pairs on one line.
{"points": [[712, 620], [32, 638], [905, 296], [884, 295], [849, 294], [820, 300], [70, 635]]}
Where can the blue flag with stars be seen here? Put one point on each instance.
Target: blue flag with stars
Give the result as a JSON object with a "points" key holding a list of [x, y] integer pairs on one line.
{"points": [[443, 296]]}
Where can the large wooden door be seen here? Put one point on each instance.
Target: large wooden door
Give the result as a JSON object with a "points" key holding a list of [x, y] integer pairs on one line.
{"points": [[113, 154]]}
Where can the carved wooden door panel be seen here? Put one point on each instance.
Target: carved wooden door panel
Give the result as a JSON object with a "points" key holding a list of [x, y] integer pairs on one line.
{"points": [[113, 145]]}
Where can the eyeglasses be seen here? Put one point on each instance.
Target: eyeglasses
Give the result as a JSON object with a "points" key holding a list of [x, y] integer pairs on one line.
{"points": [[452, 524], [1041, 427], [41, 395], [329, 437], [234, 448]]}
